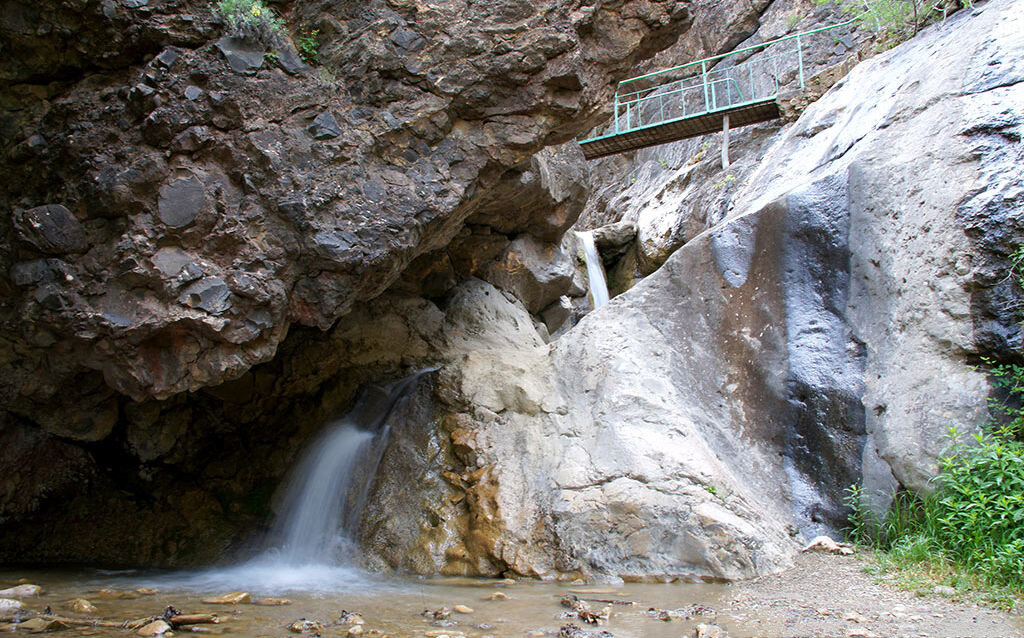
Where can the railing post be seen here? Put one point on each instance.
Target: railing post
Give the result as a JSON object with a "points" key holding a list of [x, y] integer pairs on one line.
{"points": [[775, 73], [725, 141], [704, 78], [800, 60]]}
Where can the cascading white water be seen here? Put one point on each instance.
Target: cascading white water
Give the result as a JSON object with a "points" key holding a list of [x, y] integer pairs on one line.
{"points": [[595, 272], [312, 545], [322, 508], [321, 512]]}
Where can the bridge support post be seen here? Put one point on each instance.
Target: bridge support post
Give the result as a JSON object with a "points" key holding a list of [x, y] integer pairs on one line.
{"points": [[725, 141]]}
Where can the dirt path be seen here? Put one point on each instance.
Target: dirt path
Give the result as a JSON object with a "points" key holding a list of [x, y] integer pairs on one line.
{"points": [[827, 595]]}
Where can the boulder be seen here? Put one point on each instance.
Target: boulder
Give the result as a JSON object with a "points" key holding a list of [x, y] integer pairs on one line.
{"points": [[242, 54], [613, 240], [535, 272], [21, 591], [9, 606]]}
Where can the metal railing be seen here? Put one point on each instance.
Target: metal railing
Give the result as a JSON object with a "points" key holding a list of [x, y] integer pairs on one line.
{"points": [[711, 84]]}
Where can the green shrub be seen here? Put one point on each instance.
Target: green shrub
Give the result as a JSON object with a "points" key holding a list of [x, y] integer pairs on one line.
{"points": [[973, 521], [307, 45], [251, 19], [896, 20]]}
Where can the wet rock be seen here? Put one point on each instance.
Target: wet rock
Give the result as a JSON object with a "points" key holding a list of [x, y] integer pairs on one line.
{"points": [[302, 626], [572, 631], [233, 598], [21, 591], [438, 614], [83, 606], [325, 126], [704, 630], [462, 609], [43, 625], [9, 606], [52, 229], [243, 55], [271, 602], [351, 618], [113, 594], [355, 630], [181, 201], [498, 595], [155, 628]]}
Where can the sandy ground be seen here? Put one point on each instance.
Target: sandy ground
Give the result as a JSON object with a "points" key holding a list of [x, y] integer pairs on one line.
{"points": [[828, 595]]}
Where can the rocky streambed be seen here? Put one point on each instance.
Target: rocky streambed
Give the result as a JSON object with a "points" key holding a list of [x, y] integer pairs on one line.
{"points": [[824, 595]]}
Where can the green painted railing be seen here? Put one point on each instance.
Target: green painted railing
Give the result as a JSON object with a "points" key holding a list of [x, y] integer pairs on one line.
{"points": [[708, 85]]}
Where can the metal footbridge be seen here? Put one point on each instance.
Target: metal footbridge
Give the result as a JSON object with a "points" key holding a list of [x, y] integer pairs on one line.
{"points": [[732, 89]]}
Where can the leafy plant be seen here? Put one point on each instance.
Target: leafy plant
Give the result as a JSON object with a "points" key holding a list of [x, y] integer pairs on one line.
{"points": [[251, 19], [725, 181], [895, 20], [307, 45]]}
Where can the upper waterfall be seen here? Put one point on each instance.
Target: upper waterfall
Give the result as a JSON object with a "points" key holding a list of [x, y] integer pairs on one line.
{"points": [[595, 273]]}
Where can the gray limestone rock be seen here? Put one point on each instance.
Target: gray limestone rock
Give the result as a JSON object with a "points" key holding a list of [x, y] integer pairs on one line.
{"points": [[535, 272], [243, 55], [324, 126], [51, 229], [181, 201]]}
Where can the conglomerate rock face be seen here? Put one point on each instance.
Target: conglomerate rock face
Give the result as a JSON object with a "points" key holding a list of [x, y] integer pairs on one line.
{"points": [[173, 214]]}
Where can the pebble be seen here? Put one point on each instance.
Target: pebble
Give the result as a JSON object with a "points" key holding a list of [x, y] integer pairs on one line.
{"points": [[462, 609], [945, 590], [355, 630], [497, 596], [272, 602], [704, 630], [351, 618], [302, 625], [155, 628], [233, 598]]}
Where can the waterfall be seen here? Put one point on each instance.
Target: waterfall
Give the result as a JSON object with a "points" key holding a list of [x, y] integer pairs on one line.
{"points": [[595, 271], [318, 522]]}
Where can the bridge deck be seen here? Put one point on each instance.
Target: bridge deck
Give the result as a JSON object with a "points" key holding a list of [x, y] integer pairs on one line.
{"points": [[679, 129]]}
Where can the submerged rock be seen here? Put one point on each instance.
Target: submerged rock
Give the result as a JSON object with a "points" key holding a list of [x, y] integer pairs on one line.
{"points": [[21, 591], [233, 598], [83, 606]]}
